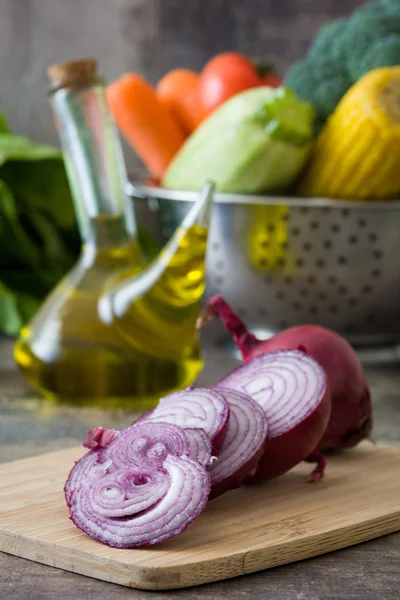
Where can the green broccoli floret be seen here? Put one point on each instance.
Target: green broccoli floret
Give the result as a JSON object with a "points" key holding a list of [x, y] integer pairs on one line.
{"points": [[319, 81], [391, 7], [325, 41], [384, 53], [361, 35]]}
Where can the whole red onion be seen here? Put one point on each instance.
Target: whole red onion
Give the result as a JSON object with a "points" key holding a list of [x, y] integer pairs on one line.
{"points": [[351, 412]]}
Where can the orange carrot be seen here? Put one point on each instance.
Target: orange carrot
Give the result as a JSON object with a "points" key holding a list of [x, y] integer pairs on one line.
{"points": [[146, 124], [178, 92]]}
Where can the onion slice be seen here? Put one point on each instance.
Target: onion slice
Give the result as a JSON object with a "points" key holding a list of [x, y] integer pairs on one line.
{"points": [[134, 507], [146, 443], [142, 488], [194, 408], [200, 447], [291, 388], [243, 445]]}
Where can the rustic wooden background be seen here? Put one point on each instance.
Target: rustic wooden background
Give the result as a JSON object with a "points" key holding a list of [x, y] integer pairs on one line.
{"points": [[149, 36]]}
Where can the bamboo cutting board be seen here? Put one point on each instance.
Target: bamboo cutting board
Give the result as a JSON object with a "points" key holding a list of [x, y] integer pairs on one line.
{"points": [[241, 532]]}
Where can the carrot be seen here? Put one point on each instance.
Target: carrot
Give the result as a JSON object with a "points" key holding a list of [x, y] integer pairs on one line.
{"points": [[178, 92], [145, 122]]}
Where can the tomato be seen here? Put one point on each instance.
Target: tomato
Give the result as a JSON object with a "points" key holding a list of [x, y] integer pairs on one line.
{"points": [[178, 92], [228, 60], [225, 76], [272, 79]]}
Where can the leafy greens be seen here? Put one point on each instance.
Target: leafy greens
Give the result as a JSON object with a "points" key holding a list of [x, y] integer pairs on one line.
{"points": [[39, 240]]}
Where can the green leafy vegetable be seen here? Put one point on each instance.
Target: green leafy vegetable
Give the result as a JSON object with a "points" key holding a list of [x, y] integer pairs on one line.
{"points": [[17, 147], [39, 240], [15, 309], [41, 186], [10, 318]]}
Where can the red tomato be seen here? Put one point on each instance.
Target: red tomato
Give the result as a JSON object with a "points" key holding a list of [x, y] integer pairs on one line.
{"points": [[228, 60], [272, 79], [224, 76]]}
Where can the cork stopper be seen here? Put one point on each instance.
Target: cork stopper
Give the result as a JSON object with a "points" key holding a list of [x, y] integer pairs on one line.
{"points": [[73, 72]]}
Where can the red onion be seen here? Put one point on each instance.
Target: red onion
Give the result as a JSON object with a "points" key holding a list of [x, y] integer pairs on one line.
{"points": [[84, 465], [200, 447], [291, 388], [99, 437], [141, 489], [243, 445], [351, 413], [146, 443], [194, 408]]}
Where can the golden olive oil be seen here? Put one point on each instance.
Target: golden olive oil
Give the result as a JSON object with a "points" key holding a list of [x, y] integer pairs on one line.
{"points": [[69, 353]]}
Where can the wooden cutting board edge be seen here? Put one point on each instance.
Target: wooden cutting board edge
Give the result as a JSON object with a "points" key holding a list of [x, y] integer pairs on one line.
{"points": [[227, 567], [235, 563]]}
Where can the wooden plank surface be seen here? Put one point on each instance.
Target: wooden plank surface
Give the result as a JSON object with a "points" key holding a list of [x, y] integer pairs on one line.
{"points": [[241, 532]]}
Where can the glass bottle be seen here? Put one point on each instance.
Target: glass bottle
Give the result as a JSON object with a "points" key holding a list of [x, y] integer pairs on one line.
{"points": [[114, 332]]}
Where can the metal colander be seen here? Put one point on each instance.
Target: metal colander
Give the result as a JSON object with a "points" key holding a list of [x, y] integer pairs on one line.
{"points": [[285, 261]]}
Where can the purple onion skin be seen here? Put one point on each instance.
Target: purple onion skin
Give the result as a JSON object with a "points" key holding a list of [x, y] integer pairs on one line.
{"points": [[99, 437], [236, 479], [292, 447], [341, 434]]}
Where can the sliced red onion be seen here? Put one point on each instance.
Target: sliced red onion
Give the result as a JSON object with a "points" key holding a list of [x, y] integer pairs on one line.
{"points": [[287, 384], [145, 442], [243, 445], [99, 437], [291, 388], [79, 471], [134, 507], [194, 408], [200, 446], [142, 488]]}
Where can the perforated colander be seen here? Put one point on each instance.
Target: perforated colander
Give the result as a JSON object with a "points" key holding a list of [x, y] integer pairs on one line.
{"points": [[285, 261]]}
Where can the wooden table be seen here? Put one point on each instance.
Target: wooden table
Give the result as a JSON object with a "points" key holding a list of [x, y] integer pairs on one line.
{"points": [[28, 426]]}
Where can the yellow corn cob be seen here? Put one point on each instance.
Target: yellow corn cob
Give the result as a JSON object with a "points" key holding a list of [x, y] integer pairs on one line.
{"points": [[357, 153]]}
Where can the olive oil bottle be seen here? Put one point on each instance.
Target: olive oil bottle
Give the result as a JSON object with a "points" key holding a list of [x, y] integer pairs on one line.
{"points": [[115, 331]]}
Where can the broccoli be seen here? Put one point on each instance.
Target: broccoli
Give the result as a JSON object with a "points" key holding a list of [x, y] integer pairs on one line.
{"points": [[384, 53], [323, 44], [361, 35], [343, 51], [391, 7], [319, 81]]}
